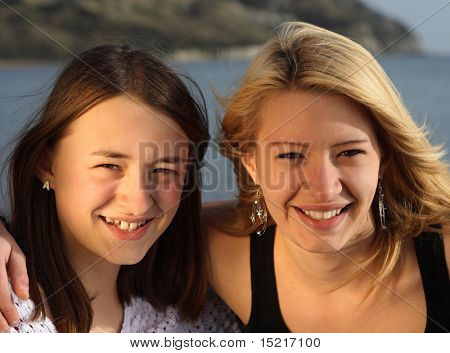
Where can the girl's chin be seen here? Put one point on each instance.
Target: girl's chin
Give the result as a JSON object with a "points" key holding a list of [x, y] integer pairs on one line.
{"points": [[324, 245], [328, 242], [121, 257]]}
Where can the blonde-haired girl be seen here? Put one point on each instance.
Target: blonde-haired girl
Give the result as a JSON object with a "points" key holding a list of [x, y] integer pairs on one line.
{"points": [[342, 199]]}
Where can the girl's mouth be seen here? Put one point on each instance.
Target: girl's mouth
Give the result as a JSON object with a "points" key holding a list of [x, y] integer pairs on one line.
{"points": [[127, 230], [320, 215], [124, 225], [323, 220]]}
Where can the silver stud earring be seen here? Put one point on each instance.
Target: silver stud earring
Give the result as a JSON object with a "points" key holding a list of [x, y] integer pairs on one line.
{"points": [[381, 207], [46, 185], [259, 212]]}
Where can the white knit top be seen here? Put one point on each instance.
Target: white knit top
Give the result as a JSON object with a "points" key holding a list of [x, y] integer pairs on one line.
{"points": [[140, 316]]}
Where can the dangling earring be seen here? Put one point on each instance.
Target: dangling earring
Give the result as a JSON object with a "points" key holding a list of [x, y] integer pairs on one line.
{"points": [[381, 207], [46, 185], [259, 212]]}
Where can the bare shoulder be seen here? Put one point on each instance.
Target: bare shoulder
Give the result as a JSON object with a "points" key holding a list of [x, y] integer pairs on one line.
{"points": [[228, 259], [446, 237], [214, 214]]}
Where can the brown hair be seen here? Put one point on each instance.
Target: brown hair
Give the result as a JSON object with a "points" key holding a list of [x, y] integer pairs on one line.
{"points": [[173, 270], [304, 56]]}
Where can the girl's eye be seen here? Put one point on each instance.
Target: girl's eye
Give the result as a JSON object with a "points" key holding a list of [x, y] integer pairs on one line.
{"points": [[291, 155], [109, 166], [164, 171], [351, 153]]}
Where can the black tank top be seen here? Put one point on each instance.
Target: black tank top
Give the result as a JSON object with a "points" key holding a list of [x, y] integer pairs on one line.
{"points": [[266, 314]]}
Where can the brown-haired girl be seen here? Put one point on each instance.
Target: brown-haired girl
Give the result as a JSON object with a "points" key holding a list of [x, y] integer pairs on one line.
{"points": [[105, 199]]}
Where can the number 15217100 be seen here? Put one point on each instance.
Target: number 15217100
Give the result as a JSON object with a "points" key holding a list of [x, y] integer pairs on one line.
{"points": [[290, 342]]}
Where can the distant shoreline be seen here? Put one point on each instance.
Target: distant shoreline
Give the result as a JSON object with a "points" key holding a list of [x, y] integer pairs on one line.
{"points": [[181, 55], [196, 55], [18, 63]]}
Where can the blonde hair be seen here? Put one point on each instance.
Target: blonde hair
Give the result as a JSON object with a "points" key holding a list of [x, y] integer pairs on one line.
{"points": [[303, 56]]}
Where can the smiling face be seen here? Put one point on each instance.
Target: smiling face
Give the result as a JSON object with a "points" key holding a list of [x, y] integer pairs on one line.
{"points": [[317, 162], [118, 174]]}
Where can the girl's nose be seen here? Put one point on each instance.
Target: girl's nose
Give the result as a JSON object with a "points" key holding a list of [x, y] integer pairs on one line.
{"points": [[322, 179], [133, 197]]}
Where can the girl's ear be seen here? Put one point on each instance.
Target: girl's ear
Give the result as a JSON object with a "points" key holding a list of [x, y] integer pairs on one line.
{"points": [[44, 170], [249, 162]]}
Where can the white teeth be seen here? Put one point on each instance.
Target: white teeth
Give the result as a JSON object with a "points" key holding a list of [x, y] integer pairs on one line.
{"points": [[123, 225], [323, 215], [316, 215], [133, 226]]}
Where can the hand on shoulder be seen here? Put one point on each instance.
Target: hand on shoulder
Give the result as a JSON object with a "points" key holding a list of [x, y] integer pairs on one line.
{"points": [[12, 265]]}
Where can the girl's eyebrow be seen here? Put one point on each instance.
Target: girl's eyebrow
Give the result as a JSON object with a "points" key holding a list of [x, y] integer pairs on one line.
{"points": [[350, 142], [306, 144], [113, 154], [301, 144], [171, 159], [110, 154]]}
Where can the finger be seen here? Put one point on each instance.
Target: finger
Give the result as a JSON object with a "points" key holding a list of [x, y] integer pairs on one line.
{"points": [[8, 311], [17, 271], [11, 254], [4, 327]]}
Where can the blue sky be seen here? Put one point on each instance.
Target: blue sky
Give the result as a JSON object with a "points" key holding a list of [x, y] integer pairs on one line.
{"points": [[434, 32]]}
